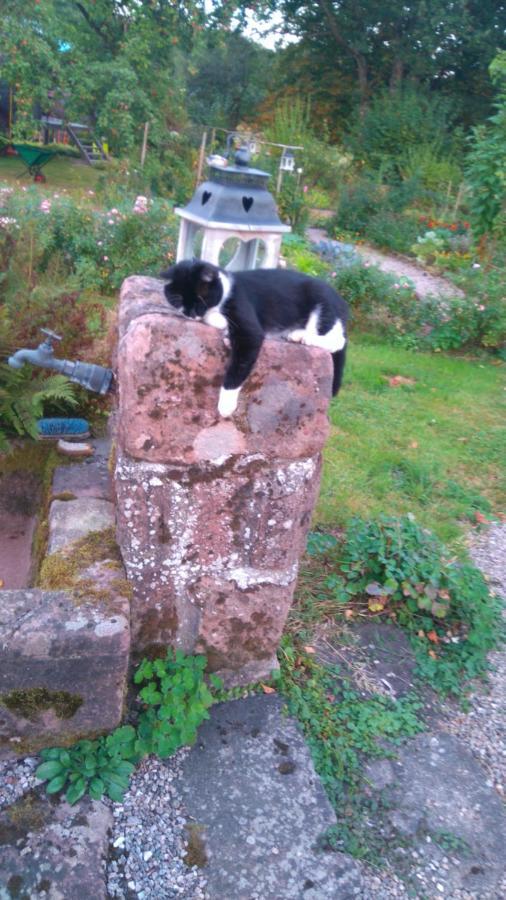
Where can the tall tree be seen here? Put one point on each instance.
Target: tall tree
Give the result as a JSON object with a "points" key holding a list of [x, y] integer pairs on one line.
{"points": [[112, 61], [444, 44]]}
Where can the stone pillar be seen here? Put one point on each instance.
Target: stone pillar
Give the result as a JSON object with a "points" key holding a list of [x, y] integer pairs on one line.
{"points": [[213, 513]]}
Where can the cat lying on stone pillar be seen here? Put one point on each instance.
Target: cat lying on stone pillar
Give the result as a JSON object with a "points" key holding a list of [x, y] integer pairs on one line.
{"points": [[252, 304]]}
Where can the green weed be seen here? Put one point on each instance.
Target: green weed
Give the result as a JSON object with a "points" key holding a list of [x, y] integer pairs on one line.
{"points": [[175, 699]]}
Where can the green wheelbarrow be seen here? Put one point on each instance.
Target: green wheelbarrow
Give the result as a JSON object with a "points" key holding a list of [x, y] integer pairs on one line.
{"points": [[34, 158]]}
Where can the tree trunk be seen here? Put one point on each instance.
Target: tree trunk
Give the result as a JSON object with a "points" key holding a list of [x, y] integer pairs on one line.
{"points": [[359, 58], [396, 75]]}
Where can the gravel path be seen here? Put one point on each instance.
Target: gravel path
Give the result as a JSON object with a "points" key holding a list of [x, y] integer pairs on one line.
{"points": [[482, 730], [424, 282]]}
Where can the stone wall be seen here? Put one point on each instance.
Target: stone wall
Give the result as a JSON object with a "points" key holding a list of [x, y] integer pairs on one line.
{"points": [[212, 513]]}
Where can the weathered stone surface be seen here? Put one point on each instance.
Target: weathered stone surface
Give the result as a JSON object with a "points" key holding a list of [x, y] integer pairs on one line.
{"points": [[249, 785], [212, 513], [55, 851], [213, 555], [70, 520], [170, 371], [64, 663], [87, 478], [437, 795]]}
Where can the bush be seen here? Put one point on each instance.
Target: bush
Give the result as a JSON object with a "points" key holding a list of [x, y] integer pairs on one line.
{"points": [[392, 231], [59, 255], [394, 567], [395, 123]]}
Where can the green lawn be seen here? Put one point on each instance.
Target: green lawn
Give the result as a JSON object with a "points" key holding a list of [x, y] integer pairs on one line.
{"points": [[61, 172], [435, 448]]}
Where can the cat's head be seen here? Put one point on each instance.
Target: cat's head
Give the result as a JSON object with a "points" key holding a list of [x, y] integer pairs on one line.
{"points": [[193, 287]]}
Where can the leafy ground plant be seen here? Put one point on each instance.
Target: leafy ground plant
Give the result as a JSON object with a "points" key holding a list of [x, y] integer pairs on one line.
{"points": [[174, 700], [392, 567], [342, 728]]}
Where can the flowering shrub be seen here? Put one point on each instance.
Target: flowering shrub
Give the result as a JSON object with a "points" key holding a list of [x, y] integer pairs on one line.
{"points": [[443, 244], [391, 308], [62, 257]]}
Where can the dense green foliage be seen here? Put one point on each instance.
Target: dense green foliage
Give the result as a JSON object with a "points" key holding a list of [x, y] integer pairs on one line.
{"points": [[397, 569], [174, 702], [23, 398]]}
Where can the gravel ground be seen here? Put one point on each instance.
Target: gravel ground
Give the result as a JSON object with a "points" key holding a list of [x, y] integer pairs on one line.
{"points": [[483, 728], [149, 838]]}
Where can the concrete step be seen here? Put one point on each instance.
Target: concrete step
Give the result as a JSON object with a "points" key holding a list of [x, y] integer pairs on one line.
{"points": [[259, 808]]}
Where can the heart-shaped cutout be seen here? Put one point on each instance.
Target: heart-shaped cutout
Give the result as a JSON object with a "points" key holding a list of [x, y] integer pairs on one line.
{"points": [[205, 197], [247, 202]]}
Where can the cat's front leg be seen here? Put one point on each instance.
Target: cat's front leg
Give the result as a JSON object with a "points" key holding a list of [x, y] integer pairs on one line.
{"points": [[246, 338]]}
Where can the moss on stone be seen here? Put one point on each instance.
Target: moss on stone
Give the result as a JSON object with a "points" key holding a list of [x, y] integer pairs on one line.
{"points": [[29, 702], [60, 571], [122, 587], [63, 495], [29, 813], [57, 572], [196, 852]]}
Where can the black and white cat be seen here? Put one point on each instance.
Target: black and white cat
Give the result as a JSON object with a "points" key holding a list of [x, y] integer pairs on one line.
{"points": [[253, 304]]}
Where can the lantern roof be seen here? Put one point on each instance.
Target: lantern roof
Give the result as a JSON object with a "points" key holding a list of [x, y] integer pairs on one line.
{"points": [[235, 197]]}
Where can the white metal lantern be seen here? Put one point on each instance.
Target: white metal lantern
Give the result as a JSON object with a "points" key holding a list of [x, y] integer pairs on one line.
{"points": [[233, 203]]}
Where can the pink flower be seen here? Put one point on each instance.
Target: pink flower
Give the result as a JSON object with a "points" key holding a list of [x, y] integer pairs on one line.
{"points": [[110, 221], [305, 188], [114, 212], [481, 307], [105, 258], [334, 274]]}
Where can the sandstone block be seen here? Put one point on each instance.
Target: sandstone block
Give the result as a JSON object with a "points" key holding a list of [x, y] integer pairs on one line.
{"points": [[212, 513], [170, 371], [70, 520], [63, 666], [55, 851]]}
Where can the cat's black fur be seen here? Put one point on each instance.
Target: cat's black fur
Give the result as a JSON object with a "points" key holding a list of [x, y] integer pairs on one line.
{"points": [[254, 303]]}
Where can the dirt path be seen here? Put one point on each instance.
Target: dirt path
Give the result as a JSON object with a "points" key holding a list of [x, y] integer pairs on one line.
{"points": [[424, 282]]}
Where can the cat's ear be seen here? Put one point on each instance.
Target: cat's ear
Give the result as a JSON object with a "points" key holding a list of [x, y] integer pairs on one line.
{"points": [[168, 274]]}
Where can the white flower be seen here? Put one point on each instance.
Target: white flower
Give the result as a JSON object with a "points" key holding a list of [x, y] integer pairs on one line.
{"points": [[476, 266]]}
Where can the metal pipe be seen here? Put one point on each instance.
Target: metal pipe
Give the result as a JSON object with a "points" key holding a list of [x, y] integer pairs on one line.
{"points": [[88, 375]]}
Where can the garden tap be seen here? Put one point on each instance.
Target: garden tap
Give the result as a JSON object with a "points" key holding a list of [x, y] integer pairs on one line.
{"points": [[90, 376]]}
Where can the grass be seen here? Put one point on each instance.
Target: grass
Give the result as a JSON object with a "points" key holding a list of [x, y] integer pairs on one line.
{"points": [[61, 172], [434, 448]]}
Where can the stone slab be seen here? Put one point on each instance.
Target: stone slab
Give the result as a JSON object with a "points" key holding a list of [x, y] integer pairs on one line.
{"points": [[63, 665], [55, 851], [170, 370], [71, 520], [437, 792], [87, 478], [259, 808]]}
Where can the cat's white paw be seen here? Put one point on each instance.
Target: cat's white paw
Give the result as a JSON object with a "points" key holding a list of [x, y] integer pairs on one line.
{"points": [[216, 319], [227, 403], [296, 336]]}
